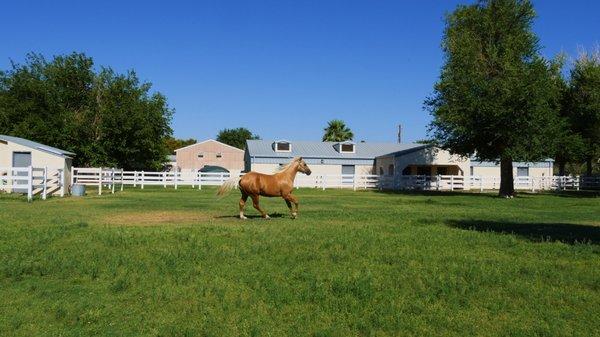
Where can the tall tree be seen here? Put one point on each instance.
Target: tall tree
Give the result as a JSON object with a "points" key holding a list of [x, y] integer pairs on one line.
{"points": [[173, 144], [496, 97], [585, 104], [236, 137], [337, 131], [107, 119]]}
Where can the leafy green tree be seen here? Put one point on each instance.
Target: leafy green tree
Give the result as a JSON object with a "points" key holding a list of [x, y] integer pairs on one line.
{"points": [[236, 137], [173, 144], [107, 119], [585, 104], [496, 98], [337, 131]]}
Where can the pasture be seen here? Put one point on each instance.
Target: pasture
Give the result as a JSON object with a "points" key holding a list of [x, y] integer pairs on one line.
{"points": [[164, 262]]}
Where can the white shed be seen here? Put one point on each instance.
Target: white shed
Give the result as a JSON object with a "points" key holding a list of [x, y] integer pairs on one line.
{"points": [[19, 152]]}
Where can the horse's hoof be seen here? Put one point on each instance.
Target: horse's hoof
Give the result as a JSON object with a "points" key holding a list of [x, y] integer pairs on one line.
{"points": [[267, 217], [243, 217]]}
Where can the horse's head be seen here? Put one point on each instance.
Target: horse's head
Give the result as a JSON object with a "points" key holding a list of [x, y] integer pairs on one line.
{"points": [[302, 167]]}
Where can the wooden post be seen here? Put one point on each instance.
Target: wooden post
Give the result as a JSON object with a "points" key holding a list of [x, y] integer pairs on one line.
{"points": [[61, 181], [122, 179], [578, 180], [135, 177], [480, 183], [100, 181], [452, 183], [72, 175], [199, 174], [165, 179], [112, 181], [142, 180], [29, 183], [45, 183], [175, 177]]}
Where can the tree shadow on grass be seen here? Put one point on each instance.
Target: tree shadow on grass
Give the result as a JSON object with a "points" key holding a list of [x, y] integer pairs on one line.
{"points": [[491, 194], [250, 216], [577, 194], [535, 232]]}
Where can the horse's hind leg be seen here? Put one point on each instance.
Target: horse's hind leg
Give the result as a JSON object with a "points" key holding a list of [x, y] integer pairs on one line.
{"points": [[243, 204], [257, 206]]}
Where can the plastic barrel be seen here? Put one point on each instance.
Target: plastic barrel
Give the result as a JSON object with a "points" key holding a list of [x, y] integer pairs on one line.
{"points": [[78, 190]]}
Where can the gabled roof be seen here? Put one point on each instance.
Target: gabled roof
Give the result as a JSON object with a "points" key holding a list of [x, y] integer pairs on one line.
{"points": [[37, 146], [263, 148], [209, 140]]}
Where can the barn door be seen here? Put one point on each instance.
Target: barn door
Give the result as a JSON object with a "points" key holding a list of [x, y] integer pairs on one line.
{"points": [[21, 159]]}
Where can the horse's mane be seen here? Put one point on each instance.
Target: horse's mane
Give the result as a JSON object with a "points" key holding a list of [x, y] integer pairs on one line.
{"points": [[286, 166]]}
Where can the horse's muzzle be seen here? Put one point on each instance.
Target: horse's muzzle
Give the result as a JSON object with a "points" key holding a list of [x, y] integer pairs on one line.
{"points": [[308, 172]]}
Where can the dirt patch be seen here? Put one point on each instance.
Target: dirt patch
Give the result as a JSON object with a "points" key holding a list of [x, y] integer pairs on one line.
{"points": [[154, 218]]}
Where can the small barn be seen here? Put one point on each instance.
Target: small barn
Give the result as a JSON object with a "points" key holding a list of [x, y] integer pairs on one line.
{"points": [[20, 152], [220, 157]]}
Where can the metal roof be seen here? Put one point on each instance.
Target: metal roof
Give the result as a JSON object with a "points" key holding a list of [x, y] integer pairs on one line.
{"points": [[37, 146], [326, 150]]}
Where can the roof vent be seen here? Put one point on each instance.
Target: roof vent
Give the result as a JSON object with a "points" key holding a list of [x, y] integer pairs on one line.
{"points": [[282, 146]]}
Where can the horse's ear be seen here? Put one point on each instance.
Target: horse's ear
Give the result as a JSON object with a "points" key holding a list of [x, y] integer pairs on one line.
{"points": [[300, 159]]}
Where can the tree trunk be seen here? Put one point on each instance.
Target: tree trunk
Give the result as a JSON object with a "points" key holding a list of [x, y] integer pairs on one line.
{"points": [[562, 168], [507, 186], [588, 166]]}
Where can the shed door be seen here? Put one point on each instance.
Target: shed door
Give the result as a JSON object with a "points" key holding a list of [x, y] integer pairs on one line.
{"points": [[21, 159]]}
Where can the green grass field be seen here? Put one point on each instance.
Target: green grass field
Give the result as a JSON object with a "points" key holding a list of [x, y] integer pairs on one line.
{"points": [[159, 262]]}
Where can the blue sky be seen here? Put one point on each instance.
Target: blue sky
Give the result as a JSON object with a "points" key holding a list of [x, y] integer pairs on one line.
{"points": [[280, 68]]}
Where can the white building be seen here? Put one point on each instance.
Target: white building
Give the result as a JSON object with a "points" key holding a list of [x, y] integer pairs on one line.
{"points": [[19, 152]]}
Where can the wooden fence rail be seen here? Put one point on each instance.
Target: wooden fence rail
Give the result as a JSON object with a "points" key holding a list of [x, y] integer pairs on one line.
{"points": [[32, 181], [112, 177]]}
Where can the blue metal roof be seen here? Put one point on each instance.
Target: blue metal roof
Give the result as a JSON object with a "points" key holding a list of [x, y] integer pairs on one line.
{"points": [[37, 146], [324, 150]]}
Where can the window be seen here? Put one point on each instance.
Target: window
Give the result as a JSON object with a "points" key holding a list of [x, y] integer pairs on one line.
{"points": [[347, 148], [391, 169], [200, 155], [406, 171], [283, 147], [219, 155], [522, 171], [423, 170], [471, 170]]}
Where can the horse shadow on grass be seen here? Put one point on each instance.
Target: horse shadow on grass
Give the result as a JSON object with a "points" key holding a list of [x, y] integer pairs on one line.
{"points": [[250, 216], [535, 232]]}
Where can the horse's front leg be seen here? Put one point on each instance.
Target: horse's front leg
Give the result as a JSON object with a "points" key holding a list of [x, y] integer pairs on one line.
{"points": [[289, 199]]}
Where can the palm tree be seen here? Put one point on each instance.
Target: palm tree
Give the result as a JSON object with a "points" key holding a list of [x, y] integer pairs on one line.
{"points": [[337, 131]]}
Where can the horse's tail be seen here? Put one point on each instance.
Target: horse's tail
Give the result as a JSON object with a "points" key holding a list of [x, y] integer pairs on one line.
{"points": [[228, 186]]}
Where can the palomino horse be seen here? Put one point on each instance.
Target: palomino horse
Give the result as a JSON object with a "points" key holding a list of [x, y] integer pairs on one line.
{"points": [[280, 184]]}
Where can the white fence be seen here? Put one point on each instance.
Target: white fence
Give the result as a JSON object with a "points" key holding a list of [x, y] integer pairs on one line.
{"points": [[32, 181], [109, 178]]}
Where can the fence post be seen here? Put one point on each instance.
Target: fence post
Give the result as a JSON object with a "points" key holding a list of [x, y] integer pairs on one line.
{"points": [[122, 179], [142, 184], [45, 183], [72, 175], [199, 175], [100, 181], [437, 182], [175, 177], [578, 182], [29, 183], [165, 179], [61, 181], [480, 183], [323, 181], [134, 178], [533, 184], [112, 181], [452, 183]]}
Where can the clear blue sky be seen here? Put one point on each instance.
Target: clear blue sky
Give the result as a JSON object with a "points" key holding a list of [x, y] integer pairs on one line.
{"points": [[280, 68]]}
